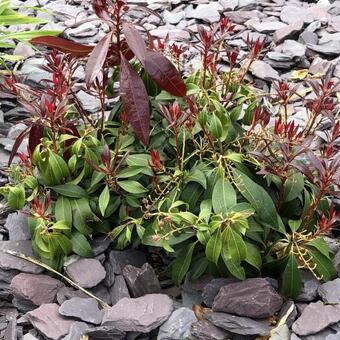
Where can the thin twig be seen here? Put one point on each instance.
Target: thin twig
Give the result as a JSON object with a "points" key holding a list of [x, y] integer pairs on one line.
{"points": [[47, 267]]}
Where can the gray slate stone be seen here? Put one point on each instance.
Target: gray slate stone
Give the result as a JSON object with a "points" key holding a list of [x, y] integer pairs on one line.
{"points": [[89, 102], [142, 314], [268, 26], [47, 320], [288, 32], [262, 70], [212, 288], [254, 298], [293, 49], [77, 330], [66, 293], [8, 262], [177, 327], [17, 226], [105, 333], [205, 330], [315, 318], [291, 14], [83, 309], [207, 12], [119, 259], [330, 291], [310, 286], [119, 290], [239, 325], [141, 281], [38, 289], [86, 272]]}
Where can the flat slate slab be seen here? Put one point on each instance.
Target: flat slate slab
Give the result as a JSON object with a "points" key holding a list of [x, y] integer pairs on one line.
{"points": [[9, 262]]}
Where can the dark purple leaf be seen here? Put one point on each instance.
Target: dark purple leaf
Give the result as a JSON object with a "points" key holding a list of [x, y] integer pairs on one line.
{"points": [[164, 74], [135, 101], [63, 45], [36, 133], [17, 144], [135, 41], [97, 59]]}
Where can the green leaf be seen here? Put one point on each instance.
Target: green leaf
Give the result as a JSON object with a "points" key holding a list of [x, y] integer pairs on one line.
{"points": [[80, 245], [182, 263], [234, 245], [215, 127], [81, 212], [198, 268], [61, 226], [70, 190], [196, 175], [104, 199], [130, 171], [223, 196], [63, 210], [16, 197], [321, 245], [324, 266], [259, 199], [27, 35], [293, 187], [138, 160], [234, 267], [133, 187], [253, 256], [294, 225], [214, 247], [64, 243], [292, 282], [58, 167]]}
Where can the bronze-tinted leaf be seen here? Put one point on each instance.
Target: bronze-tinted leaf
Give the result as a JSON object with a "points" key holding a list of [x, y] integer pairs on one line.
{"points": [[135, 101], [36, 133], [164, 74], [63, 45], [135, 41], [97, 59]]}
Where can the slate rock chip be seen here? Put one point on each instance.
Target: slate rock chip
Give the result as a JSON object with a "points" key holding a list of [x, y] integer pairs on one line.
{"points": [[239, 325], [177, 327], [205, 330], [141, 281], [310, 286], [330, 291], [17, 226], [316, 317], [119, 259], [38, 289], [288, 32], [262, 70], [66, 293], [142, 314], [212, 288], [77, 330], [8, 262], [84, 309], [86, 272], [47, 320], [254, 298], [105, 333], [119, 290]]}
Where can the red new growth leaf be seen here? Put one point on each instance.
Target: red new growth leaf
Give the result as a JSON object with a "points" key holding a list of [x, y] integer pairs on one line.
{"points": [[135, 41], [135, 101], [97, 59], [63, 45], [164, 74]]}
